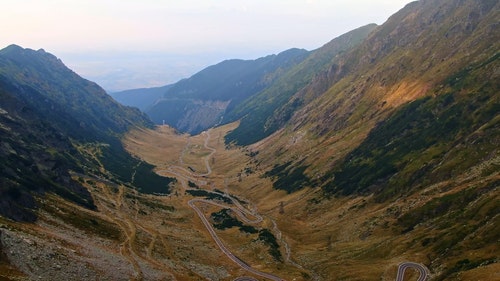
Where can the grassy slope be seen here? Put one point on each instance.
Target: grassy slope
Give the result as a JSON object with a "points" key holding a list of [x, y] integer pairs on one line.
{"points": [[353, 238], [385, 73], [451, 225], [264, 113], [48, 111], [428, 140], [415, 120]]}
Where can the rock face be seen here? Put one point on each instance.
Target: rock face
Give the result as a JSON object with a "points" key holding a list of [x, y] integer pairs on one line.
{"points": [[201, 101], [189, 115], [203, 114], [380, 147], [413, 77]]}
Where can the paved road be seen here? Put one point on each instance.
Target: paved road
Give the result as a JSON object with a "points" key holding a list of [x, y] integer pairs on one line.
{"points": [[207, 158], [242, 212], [422, 269], [245, 278], [226, 251]]}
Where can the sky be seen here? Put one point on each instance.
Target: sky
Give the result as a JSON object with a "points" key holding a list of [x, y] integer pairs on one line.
{"points": [[124, 44]]}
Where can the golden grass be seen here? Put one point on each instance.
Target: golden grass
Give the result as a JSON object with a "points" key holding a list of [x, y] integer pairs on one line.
{"points": [[346, 238], [228, 172]]}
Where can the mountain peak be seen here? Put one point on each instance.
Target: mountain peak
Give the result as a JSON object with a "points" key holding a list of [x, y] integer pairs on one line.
{"points": [[26, 56], [12, 47], [15, 49]]}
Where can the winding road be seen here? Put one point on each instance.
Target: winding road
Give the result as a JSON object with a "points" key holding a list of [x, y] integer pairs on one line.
{"points": [[422, 269], [227, 252], [243, 213]]}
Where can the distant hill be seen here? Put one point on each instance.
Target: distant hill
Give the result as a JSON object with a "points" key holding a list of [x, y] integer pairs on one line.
{"points": [[380, 147], [201, 101], [234, 89], [268, 110], [400, 102], [142, 98], [406, 124], [49, 119]]}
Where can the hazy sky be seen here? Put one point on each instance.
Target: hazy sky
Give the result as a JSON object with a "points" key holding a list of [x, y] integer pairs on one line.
{"points": [[91, 36]]}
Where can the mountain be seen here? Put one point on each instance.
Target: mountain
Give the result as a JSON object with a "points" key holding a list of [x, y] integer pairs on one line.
{"points": [[60, 87], [379, 148], [201, 101], [268, 110], [142, 98], [413, 77], [50, 117], [235, 89], [399, 135]]}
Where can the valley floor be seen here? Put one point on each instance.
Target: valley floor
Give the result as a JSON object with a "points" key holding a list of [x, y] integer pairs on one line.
{"points": [[273, 234]]}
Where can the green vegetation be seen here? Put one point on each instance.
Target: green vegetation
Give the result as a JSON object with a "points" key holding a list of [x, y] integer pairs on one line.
{"points": [[123, 166], [83, 221], [464, 265], [151, 203], [209, 195], [288, 177], [46, 109], [268, 238], [223, 220], [452, 204], [192, 184], [466, 219], [425, 141]]}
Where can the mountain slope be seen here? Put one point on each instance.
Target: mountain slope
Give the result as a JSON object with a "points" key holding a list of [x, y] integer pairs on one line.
{"points": [[386, 153], [201, 101], [35, 157], [403, 143], [141, 98], [62, 87], [49, 115], [267, 111], [403, 60]]}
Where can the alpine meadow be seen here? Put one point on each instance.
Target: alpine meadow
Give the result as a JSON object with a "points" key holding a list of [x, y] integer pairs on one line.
{"points": [[373, 157]]}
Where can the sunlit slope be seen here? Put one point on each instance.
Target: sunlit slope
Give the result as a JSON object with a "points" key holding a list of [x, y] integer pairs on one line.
{"points": [[264, 113], [401, 149], [404, 89]]}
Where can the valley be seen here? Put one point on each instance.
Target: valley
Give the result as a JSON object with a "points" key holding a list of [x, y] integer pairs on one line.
{"points": [[193, 170], [215, 222], [135, 236], [319, 239], [373, 157], [227, 176]]}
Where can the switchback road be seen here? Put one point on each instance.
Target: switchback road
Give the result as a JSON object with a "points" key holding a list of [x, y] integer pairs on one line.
{"points": [[422, 269], [243, 213], [227, 252]]}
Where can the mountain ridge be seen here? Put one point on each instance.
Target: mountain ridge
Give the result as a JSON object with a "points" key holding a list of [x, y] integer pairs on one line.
{"points": [[264, 114], [359, 98], [48, 115], [382, 151], [142, 98], [201, 101]]}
